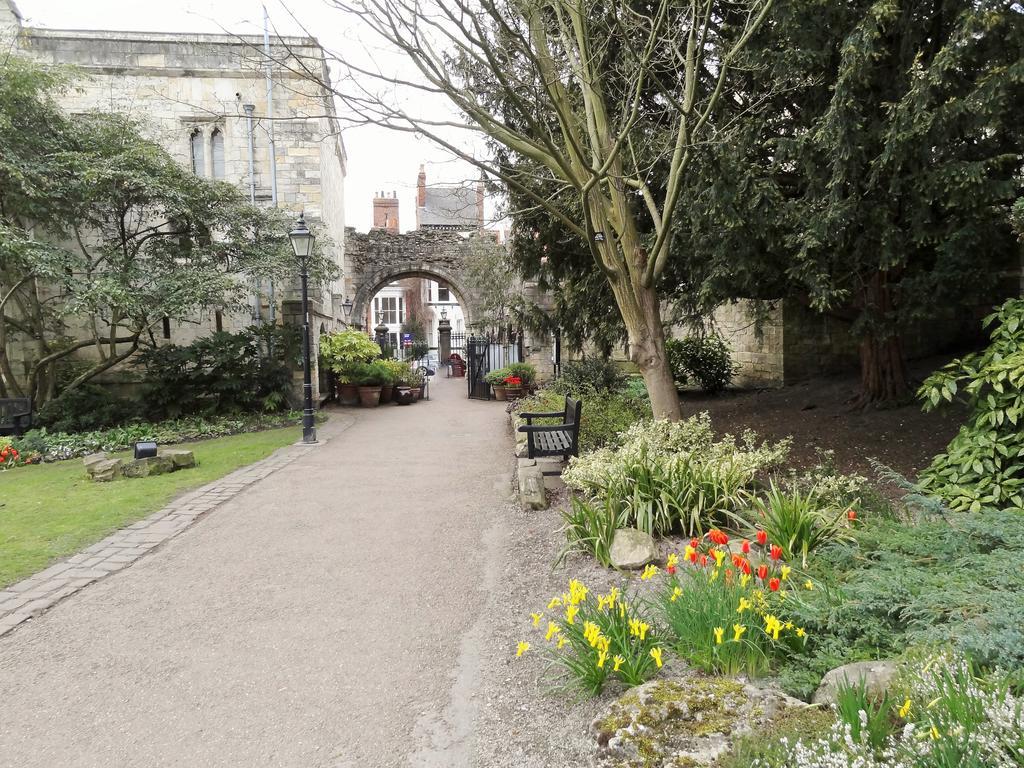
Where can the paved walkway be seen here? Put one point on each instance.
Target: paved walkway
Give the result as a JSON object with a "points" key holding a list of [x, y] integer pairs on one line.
{"points": [[326, 615]]}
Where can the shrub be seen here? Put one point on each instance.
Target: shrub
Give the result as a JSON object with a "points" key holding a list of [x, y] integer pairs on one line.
{"points": [[705, 359], [798, 520], [669, 475], [983, 466], [525, 372], [727, 612], [220, 374], [591, 640], [497, 376], [589, 527], [675, 352], [589, 375], [605, 415], [87, 407], [345, 348]]}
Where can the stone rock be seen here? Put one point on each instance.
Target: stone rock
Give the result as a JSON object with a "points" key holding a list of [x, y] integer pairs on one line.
{"points": [[106, 470], [683, 722], [180, 457], [531, 488], [632, 549], [154, 465], [877, 677], [93, 459]]}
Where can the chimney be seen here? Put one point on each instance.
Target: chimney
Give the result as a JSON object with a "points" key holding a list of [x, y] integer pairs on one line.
{"points": [[421, 188], [385, 212]]}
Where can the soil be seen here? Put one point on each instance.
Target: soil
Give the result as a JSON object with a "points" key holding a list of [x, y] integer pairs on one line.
{"points": [[817, 414]]}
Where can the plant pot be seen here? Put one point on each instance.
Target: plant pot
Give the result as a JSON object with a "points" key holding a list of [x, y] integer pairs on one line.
{"points": [[458, 371], [402, 395], [369, 397], [513, 393], [499, 391], [385, 393], [348, 394], [416, 392]]}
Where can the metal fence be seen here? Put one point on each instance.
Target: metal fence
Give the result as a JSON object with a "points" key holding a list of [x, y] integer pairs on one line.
{"points": [[489, 353]]}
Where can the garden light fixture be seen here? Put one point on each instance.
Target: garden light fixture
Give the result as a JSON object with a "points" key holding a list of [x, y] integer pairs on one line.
{"points": [[302, 245]]}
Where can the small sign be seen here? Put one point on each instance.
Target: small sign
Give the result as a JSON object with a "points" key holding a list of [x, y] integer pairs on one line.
{"points": [[406, 338]]}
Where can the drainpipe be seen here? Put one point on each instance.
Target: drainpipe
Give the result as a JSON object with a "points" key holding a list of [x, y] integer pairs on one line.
{"points": [[273, 147], [249, 109]]}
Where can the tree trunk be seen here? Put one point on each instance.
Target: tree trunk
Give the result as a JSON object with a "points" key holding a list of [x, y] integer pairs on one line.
{"points": [[883, 366], [641, 313]]}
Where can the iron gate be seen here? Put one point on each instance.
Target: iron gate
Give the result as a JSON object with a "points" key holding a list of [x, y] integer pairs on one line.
{"points": [[485, 354]]}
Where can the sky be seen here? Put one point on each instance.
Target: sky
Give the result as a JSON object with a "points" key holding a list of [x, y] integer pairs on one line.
{"points": [[378, 159]]}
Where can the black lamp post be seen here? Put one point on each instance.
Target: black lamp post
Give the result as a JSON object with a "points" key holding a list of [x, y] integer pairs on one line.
{"points": [[381, 331], [302, 245]]}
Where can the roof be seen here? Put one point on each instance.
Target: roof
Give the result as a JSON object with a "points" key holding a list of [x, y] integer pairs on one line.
{"points": [[450, 206]]}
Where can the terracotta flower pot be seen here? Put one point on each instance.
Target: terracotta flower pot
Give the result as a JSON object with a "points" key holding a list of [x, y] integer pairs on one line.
{"points": [[369, 397], [499, 391], [385, 393], [348, 394]]}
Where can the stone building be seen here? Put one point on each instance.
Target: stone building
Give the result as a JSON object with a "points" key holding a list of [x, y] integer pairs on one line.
{"points": [[202, 96]]}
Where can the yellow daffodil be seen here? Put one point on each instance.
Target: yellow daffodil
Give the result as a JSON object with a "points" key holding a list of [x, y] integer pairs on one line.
{"points": [[714, 575], [772, 626], [935, 733], [619, 661], [603, 643], [577, 592], [591, 632], [553, 629], [744, 579], [649, 572], [689, 552], [719, 556], [745, 605], [602, 657], [808, 584], [522, 648], [737, 632], [719, 632], [785, 572], [536, 618], [656, 655], [673, 560], [561, 641], [905, 709], [555, 602], [788, 625], [638, 628], [676, 593], [570, 614], [801, 632]]}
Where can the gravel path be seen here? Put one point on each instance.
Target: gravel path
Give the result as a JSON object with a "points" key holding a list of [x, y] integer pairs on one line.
{"points": [[358, 608]]}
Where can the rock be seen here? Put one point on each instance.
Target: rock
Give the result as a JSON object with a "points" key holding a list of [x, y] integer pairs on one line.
{"points": [[683, 722], [180, 457], [632, 549], [877, 677], [531, 488], [154, 465], [106, 470], [93, 459]]}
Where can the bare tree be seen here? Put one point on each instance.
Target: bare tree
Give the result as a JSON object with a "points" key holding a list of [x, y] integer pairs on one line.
{"points": [[595, 110]]}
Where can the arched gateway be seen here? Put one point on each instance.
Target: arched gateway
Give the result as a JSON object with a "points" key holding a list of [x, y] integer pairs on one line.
{"points": [[379, 257]]}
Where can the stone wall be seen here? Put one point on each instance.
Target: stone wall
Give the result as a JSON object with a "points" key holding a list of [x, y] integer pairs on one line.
{"points": [[757, 347]]}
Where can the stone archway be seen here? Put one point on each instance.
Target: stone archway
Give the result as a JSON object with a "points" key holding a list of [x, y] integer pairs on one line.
{"points": [[380, 257]]}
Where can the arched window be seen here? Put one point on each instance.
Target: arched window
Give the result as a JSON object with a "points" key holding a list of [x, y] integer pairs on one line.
{"points": [[217, 150], [198, 153]]}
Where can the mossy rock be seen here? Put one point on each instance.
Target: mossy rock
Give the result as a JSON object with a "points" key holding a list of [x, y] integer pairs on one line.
{"points": [[683, 722]]}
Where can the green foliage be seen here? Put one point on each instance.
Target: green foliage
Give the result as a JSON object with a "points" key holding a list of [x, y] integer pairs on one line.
{"points": [[89, 407], [870, 720], [704, 359], [342, 350], [219, 374], [589, 527], [604, 417], [375, 374], [983, 466], [589, 375], [497, 376], [526, 372], [798, 521], [957, 579], [56, 446]]}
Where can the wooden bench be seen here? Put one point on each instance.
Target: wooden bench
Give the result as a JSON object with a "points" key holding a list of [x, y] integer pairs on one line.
{"points": [[15, 415], [561, 439]]}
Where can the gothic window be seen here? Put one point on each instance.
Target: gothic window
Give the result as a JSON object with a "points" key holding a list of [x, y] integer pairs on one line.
{"points": [[198, 153], [217, 150]]}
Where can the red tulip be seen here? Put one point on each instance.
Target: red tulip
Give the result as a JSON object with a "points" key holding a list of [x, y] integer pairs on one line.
{"points": [[693, 557], [694, 542], [746, 567], [704, 560], [773, 584], [670, 570], [746, 547], [776, 552], [718, 537], [851, 515], [762, 538], [762, 571]]}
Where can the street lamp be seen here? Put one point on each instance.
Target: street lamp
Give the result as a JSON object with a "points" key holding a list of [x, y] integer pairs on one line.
{"points": [[381, 331], [302, 245]]}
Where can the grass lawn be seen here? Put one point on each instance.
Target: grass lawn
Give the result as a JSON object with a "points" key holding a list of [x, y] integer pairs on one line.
{"points": [[50, 511]]}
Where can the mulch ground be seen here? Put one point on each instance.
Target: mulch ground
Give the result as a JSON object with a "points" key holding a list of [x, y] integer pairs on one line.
{"points": [[817, 414]]}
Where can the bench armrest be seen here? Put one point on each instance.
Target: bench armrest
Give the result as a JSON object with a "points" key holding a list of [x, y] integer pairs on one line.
{"points": [[552, 415], [546, 427]]}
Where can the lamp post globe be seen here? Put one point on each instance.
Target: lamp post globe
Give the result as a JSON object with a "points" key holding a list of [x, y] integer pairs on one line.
{"points": [[302, 245]]}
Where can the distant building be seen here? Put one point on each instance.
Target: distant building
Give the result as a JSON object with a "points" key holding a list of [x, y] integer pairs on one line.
{"points": [[451, 207]]}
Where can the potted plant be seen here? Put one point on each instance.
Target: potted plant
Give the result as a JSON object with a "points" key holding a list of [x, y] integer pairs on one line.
{"points": [[526, 373], [513, 387], [343, 352], [403, 385], [394, 371], [417, 385], [370, 378], [497, 381]]}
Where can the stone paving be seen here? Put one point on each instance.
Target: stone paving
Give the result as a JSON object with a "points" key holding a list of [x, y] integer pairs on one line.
{"points": [[29, 598]]}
